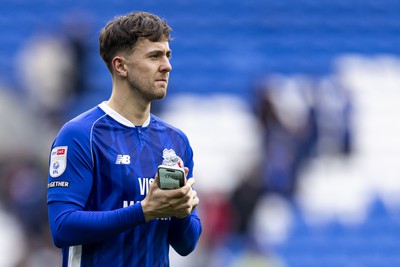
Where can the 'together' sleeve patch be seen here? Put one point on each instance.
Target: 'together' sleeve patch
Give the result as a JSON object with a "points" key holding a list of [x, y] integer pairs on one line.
{"points": [[58, 161]]}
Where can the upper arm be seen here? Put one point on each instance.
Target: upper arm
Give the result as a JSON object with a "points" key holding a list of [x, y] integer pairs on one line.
{"points": [[70, 166]]}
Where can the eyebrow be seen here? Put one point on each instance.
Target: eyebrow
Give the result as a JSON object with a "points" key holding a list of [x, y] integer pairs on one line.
{"points": [[168, 53]]}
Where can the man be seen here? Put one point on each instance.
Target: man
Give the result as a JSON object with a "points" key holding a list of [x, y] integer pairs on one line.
{"points": [[105, 207]]}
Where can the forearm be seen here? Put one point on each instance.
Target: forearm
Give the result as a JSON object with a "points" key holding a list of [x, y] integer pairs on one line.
{"points": [[184, 233], [71, 226]]}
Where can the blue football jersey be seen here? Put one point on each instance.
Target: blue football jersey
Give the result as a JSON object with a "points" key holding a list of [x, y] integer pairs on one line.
{"points": [[101, 162]]}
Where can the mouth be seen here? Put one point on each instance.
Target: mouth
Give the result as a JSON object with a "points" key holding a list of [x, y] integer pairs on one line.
{"points": [[162, 80]]}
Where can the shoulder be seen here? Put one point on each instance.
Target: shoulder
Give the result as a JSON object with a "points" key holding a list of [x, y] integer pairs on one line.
{"points": [[161, 125], [82, 124]]}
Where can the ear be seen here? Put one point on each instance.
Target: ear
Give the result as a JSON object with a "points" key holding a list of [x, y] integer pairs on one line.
{"points": [[118, 64]]}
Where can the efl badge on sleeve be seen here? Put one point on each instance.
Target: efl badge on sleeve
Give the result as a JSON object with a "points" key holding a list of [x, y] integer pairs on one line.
{"points": [[58, 161]]}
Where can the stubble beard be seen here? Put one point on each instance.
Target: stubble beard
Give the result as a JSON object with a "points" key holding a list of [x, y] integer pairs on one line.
{"points": [[149, 93]]}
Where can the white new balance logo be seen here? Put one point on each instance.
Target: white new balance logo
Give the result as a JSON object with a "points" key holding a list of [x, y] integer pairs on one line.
{"points": [[123, 159]]}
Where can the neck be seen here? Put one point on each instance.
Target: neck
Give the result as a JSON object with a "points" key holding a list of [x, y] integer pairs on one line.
{"points": [[128, 107]]}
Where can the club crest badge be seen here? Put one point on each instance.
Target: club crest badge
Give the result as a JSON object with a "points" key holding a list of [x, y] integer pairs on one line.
{"points": [[58, 161]]}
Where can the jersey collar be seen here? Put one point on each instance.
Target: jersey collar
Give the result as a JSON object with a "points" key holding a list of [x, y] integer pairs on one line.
{"points": [[118, 117]]}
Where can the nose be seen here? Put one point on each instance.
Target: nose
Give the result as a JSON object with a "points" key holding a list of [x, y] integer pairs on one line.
{"points": [[165, 65]]}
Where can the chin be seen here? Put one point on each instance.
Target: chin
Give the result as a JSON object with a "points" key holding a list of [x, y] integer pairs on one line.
{"points": [[160, 95]]}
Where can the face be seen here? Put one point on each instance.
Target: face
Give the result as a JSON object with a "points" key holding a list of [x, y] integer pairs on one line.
{"points": [[148, 69]]}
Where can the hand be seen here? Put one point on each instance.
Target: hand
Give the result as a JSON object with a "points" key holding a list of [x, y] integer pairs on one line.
{"points": [[193, 200], [167, 203]]}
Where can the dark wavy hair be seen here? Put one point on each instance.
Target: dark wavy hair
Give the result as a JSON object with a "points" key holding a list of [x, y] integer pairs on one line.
{"points": [[121, 33]]}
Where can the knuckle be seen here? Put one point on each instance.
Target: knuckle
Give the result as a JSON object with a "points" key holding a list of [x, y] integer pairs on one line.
{"points": [[188, 211]]}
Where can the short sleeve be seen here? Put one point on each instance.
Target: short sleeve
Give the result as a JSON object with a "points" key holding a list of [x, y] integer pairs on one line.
{"points": [[70, 174]]}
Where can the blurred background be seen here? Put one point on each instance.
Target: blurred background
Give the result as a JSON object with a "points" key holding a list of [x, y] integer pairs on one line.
{"points": [[290, 107]]}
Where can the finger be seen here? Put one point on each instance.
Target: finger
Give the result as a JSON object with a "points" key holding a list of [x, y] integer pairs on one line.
{"points": [[185, 211], [186, 201], [194, 199], [155, 182], [190, 182], [195, 202], [183, 191]]}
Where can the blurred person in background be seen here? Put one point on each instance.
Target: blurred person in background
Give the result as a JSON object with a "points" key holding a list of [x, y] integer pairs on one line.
{"points": [[287, 116], [60, 75], [105, 208], [30, 118]]}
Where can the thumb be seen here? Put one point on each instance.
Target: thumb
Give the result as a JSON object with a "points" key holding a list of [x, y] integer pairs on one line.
{"points": [[156, 181]]}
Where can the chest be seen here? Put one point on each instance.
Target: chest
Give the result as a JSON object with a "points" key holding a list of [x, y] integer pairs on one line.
{"points": [[125, 164]]}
